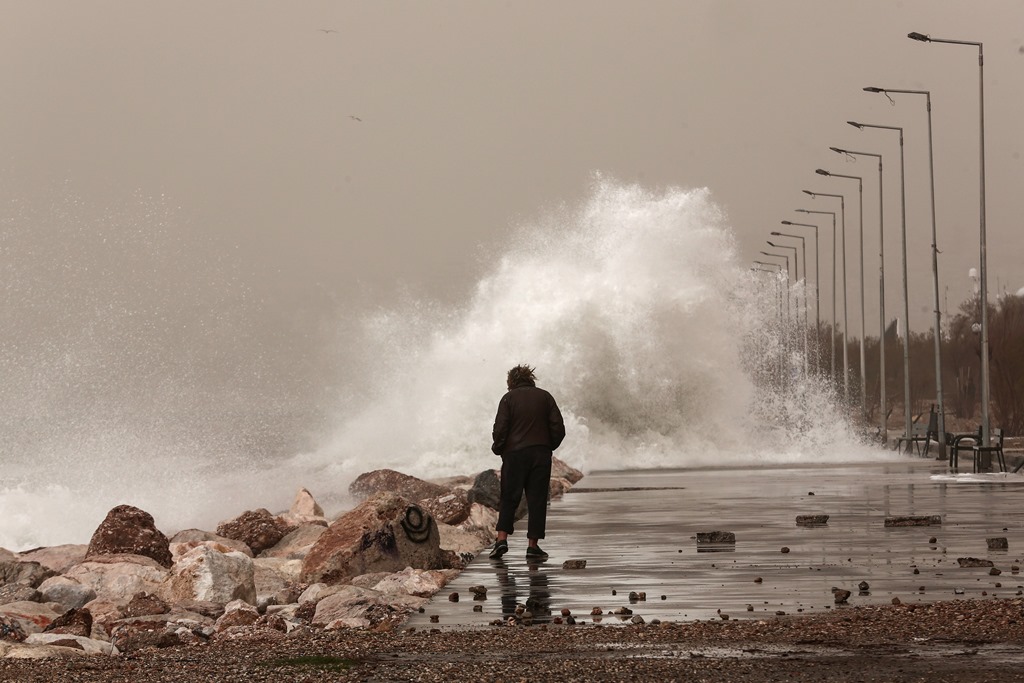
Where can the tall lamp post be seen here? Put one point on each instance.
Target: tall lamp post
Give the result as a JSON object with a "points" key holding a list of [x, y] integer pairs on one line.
{"points": [[935, 263], [788, 276], [817, 281], [832, 352], [776, 270], [863, 370], [983, 274], [803, 247], [908, 423], [846, 331], [883, 431], [796, 275]]}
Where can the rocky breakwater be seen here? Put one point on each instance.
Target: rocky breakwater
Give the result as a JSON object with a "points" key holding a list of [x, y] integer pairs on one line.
{"points": [[258, 575]]}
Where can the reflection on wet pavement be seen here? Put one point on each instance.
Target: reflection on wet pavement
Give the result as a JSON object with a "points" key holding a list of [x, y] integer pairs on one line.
{"points": [[637, 532]]}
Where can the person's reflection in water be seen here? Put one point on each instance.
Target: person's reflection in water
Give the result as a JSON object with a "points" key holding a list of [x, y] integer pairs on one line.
{"points": [[539, 602], [507, 585], [536, 608]]}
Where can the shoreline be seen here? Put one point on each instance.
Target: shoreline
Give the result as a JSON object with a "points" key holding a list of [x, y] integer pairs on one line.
{"points": [[964, 641]]}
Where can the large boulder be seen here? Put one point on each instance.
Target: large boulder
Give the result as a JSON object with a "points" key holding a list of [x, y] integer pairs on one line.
{"points": [[487, 491], [16, 592], [390, 481], [349, 607], [422, 583], [276, 579], [450, 508], [117, 578], [256, 528], [32, 617], [57, 558], [384, 533], [68, 592], [144, 604], [562, 470], [305, 510], [460, 540], [185, 540], [64, 641], [24, 573], [236, 613], [296, 543], [129, 530], [76, 622], [205, 573]]}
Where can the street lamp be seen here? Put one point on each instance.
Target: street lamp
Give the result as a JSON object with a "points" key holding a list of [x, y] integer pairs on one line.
{"points": [[788, 273], [803, 247], [984, 266], [776, 270], [833, 351], [817, 280], [846, 331], [883, 430], [908, 424], [935, 262], [863, 370], [796, 275]]}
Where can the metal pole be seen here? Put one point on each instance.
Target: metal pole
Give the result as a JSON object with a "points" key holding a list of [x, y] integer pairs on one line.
{"points": [[983, 272], [908, 424], [985, 388], [935, 292], [846, 354]]}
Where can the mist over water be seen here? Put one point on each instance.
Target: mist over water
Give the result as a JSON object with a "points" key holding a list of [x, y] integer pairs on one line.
{"points": [[633, 306]]}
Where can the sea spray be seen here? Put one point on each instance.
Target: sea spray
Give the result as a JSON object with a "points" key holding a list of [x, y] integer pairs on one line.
{"points": [[633, 306], [639, 318]]}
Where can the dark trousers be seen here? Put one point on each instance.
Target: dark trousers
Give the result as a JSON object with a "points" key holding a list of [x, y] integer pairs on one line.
{"points": [[526, 470]]}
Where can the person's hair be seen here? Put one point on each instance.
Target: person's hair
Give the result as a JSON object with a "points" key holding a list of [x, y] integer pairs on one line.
{"points": [[521, 374]]}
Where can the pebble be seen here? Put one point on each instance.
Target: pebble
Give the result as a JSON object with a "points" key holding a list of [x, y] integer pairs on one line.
{"points": [[478, 608], [453, 597], [785, 549]]}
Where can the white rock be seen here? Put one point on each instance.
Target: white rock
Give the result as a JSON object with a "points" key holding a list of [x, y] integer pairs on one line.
{"points": [[480, 517], [89, 646], [461, 540], [274, 574], [422, 583], [349, 603], [23, 651], [318, 591], [304, 509], [118, 581], [204, 573]]}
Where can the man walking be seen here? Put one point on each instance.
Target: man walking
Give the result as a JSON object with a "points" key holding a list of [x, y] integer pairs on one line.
{"points": [[527, 428]]}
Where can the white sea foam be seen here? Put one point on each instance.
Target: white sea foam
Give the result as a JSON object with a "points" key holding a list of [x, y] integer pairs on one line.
{"points": [[635, 309]]}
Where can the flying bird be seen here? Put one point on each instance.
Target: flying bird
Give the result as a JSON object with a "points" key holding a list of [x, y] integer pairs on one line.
{"points": [[327, 30], [355, 118]]}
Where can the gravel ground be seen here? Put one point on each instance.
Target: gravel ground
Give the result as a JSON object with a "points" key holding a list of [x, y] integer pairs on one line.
{"points": [[963, 641]]}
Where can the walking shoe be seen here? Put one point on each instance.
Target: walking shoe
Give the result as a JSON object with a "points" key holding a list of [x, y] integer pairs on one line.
{"points": [[535, 553], [499, 549]]}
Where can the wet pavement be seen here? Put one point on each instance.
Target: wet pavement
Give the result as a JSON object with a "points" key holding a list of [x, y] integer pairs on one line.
{"points": [[636, 530]]}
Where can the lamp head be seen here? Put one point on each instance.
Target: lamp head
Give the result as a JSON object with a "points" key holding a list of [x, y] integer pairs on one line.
{"points": [[821, 171], [856, 125], [809, 192], [873, 89], [837, 150], [777, 234], [772, 244], [919, 36]]}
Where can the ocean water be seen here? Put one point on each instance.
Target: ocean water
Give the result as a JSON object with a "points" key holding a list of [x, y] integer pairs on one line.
{"points": [[661, 346]]}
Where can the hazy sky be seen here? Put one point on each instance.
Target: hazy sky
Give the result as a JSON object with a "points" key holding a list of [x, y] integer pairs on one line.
{"points": [[309, 158]]}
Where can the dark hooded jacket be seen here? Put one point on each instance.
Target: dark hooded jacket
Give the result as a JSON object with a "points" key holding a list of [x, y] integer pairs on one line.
{"points": [[527, 416]]}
